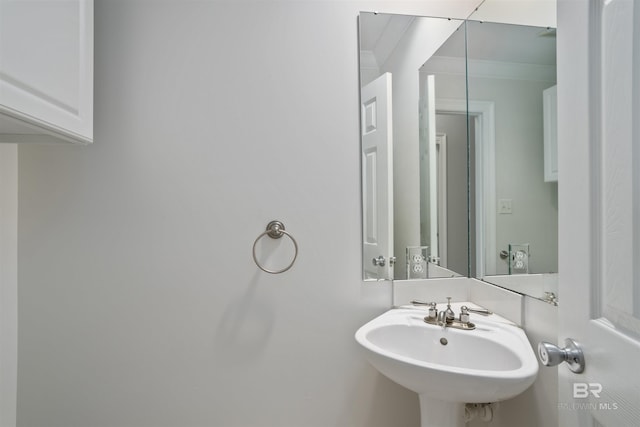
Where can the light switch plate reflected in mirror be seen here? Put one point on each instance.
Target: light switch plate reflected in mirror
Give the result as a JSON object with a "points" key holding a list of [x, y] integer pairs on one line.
{"points": [[505, 206]]}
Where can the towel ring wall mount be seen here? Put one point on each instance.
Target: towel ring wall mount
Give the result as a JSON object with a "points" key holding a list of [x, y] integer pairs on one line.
{"points": [[275, 230]]}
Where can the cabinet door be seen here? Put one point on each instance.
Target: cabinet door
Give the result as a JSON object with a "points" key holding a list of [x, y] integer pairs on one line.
{"points": [[46, 68]]}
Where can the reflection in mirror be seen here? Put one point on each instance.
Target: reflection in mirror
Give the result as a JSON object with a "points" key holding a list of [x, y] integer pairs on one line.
{"points": [[512, 69], [500, 95], [400, 211], [444, 158]]}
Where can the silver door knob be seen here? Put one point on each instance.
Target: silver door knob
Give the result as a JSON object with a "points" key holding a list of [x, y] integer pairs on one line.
{"points": [[379, 261], [552, 355]]}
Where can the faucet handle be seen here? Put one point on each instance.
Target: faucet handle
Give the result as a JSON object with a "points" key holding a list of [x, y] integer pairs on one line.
{"points": [[464, 314], [433, 311], [449, 312], [418, 302]]}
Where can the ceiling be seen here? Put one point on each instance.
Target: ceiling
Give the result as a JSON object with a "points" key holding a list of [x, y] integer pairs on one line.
{"points": [[380, 33], [504, 43]]}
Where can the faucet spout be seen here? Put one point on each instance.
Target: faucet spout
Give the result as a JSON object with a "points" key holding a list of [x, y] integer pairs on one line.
{"points": [[442, 319], [446, 316]]}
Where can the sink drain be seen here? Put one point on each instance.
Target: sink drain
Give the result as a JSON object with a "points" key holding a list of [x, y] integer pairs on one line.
{"points": [[444, 341]]}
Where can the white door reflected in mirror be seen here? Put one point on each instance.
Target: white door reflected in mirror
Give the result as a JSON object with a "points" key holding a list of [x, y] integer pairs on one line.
{"points": [[377, 183]]}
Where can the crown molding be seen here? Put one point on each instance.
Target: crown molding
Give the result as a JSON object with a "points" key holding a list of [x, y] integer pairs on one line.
{"points": [[490, 69]]}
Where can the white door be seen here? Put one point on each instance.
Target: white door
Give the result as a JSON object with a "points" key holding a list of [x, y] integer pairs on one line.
{"points": [[599, 209], [377, 178]]}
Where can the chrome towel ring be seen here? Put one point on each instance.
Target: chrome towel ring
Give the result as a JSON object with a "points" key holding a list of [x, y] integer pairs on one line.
{"points": [[275, 230]]}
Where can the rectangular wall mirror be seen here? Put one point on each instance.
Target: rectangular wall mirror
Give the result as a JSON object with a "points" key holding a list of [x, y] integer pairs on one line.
{"points": [[458, 133], [399, 184], [512, 69]]}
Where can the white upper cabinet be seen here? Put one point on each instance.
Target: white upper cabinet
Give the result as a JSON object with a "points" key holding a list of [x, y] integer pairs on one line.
{"points": [[46, 71]]}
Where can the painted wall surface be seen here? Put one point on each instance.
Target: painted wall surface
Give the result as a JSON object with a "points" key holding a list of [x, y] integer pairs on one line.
{"points": [[540, 13], [519, 165], [520, 170], [8, 283], [139, 302]]}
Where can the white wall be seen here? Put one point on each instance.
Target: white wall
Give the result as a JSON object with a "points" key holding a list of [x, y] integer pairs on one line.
{"points": [[8, 283], [139, 302], [541, 13], [519, 165], [520, 170]]}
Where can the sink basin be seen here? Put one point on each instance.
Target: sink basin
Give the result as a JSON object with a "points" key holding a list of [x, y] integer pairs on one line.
{"points": [[490, 363]]}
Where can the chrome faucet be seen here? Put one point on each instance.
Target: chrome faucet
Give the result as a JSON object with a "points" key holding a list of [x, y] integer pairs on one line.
{"points": [[449, 314], [445, 317], [442, 319]]}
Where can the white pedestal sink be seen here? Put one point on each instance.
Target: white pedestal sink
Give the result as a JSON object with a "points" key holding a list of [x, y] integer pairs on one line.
{"points": [[449, 367]]}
